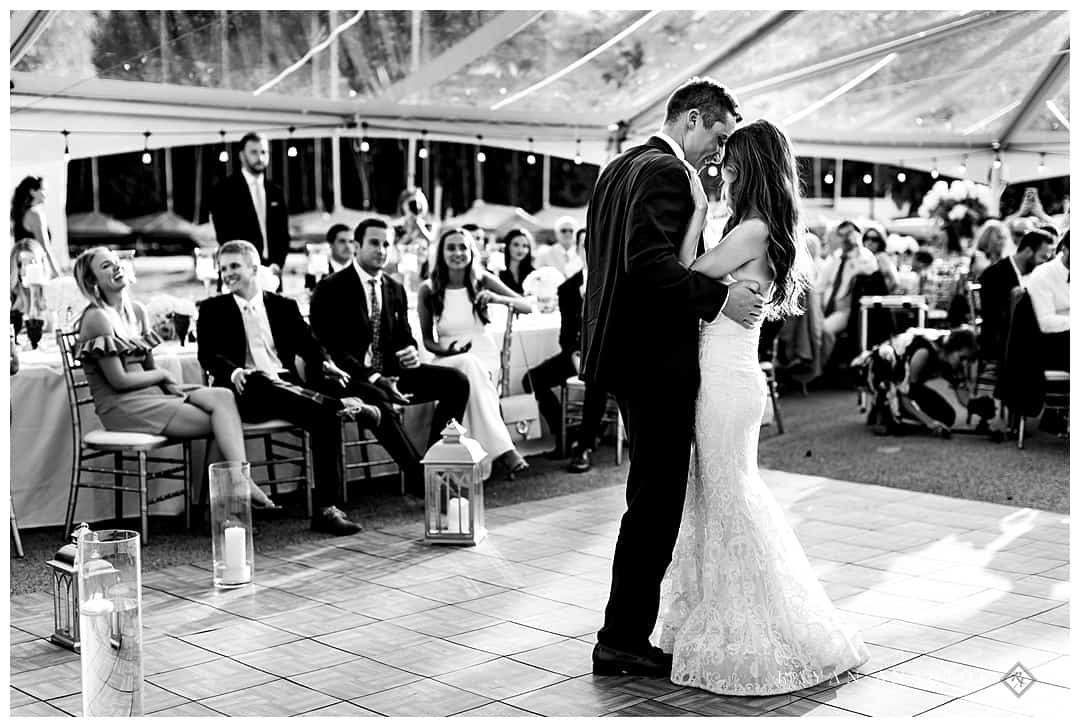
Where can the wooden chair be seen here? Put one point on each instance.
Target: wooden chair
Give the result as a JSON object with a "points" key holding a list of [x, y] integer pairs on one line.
{"points": [[768, 368], [124, 447], [16, 539], [572, 397], [1056, 399], [280, 449], [364, 439]]}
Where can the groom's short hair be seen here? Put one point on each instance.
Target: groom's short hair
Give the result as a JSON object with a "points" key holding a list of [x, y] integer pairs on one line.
{"points": [[709, 97]]}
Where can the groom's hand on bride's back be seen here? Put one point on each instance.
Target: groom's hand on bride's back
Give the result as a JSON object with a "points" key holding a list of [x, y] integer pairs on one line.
{"points": [[744, 303]]}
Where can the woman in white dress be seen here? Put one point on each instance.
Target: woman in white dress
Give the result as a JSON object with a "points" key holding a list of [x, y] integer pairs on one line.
{"points": [[452, 306], [741, 610]]}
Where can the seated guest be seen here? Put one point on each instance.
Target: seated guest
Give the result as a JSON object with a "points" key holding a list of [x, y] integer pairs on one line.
{"points": [[990, 244], [934, 369], [874, 241], [997, 282], [835, 281], [413, 233], [563, 254], [26, 252], [130, 393], [518, 256], [551, 373], [342, 247], [452, 305], [361, 315], [248, 342], [1048, 286]]}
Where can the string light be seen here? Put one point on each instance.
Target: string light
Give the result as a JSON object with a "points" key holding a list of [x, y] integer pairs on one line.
{"points": [[713, 171], [292, 147], [828, 178], [364, 145], [531, 159], [866, 178], [480, 155], [1042, 162], [146, 158], [963, 164], [67, 150], [577, 152], [223, 157], [997, 160], [933, 169], [423, 153]]}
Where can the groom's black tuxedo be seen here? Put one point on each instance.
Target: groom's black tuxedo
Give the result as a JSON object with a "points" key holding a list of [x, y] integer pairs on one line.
{"points": [[640, 341]]}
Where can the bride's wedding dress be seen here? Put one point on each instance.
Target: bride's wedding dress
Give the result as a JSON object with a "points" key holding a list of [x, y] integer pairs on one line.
{"points": [[741, 610]]}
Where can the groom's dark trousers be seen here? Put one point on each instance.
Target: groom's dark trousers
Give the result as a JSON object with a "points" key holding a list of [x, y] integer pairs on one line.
{"points": [[640, 342]]}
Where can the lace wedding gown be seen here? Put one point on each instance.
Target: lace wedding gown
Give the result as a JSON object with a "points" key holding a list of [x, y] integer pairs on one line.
{"points": [[741, 610]]}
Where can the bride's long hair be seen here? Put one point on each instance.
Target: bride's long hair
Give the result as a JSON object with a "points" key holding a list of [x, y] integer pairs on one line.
{"points": [[766, 185]]}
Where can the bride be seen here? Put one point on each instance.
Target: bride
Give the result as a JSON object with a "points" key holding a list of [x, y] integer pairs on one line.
{"points": [[741, 610]]}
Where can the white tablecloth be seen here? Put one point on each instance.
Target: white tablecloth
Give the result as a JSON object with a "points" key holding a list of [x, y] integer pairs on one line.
{"points": [[41, 439]]}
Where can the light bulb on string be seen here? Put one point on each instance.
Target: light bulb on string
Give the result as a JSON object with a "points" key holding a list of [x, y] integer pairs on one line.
{"points": [[292, 147], [577, 152], [423, 153], [67, 150], [866, 179], [1042, 162], [480, 155], [223, 156], [146, 158], [828, 178], [901, 175], [933, 169], [364, 145], [963, 164], [997, 160], [531, 158]]}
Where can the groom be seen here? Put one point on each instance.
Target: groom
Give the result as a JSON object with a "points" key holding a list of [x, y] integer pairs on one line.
{"points": [[640, 342]]}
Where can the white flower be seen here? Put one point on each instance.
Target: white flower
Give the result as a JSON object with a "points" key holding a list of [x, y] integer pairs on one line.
{"points": [[958, 212], [543, 282]]}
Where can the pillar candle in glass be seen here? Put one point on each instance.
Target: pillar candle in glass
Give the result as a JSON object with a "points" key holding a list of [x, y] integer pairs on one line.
{"points": [[110, 623], [230, 524]]}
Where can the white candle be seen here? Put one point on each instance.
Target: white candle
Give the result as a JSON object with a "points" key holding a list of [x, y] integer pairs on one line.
{"points": [[236, 569], [457, 515]]}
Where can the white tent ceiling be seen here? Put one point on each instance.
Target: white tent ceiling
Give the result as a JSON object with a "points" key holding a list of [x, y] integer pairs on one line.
{"points": [[923, 89]]}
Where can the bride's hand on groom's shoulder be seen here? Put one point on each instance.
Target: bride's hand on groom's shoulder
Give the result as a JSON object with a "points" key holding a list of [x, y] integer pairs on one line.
{"points": [[744, 303]]}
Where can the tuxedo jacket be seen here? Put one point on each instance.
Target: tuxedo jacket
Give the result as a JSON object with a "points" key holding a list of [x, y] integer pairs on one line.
{"points": [[997, 282], [340, 317], [234, 217], [642, 306], [223, 340]]}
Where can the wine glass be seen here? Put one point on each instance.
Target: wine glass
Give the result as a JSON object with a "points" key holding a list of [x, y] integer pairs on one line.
{"points": [[182, 323], [17, 322], [34, 329]]}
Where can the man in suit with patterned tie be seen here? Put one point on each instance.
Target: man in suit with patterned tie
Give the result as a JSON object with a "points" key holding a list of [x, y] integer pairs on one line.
{"points": [[248, 342], [361, 315], [247, 206]]}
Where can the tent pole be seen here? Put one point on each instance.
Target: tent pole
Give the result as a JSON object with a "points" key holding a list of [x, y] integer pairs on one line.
{"points": [[334, 50], [335, 166], [95, 183], [168, 179], [817, 177], [319, 205], [838, 183], [313, 38], [410, 164], [545, 197], [224, 15]]}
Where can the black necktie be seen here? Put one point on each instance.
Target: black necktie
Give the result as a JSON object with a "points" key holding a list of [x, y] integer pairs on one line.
{"points": [[376, 317]]}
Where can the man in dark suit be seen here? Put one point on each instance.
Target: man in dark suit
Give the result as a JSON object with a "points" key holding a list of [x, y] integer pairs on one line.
{"points": [[998, 280], [640, 342], [247, 206], [248, 342], [382, 359], [541, 379]]}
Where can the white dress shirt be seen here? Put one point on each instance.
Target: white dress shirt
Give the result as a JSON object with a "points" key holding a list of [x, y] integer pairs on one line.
{"points": [[860, 261], [257, 190], [673, 144], [335, 266], [261, 351], [1048, 286]]}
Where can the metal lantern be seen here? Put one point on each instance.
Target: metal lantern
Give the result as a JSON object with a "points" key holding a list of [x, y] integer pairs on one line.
{"points": [[454, 489], [65, 588]]}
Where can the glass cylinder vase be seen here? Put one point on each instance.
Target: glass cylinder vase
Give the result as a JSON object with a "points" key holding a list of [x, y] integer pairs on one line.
{"points": [[110, 623], [230, 524]]}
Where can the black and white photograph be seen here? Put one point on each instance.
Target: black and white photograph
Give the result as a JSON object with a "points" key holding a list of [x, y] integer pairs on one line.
{"points": [[569, 362]]}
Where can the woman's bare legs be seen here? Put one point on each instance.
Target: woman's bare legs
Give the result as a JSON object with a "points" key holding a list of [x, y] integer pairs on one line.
{"points": [[213, 410]]}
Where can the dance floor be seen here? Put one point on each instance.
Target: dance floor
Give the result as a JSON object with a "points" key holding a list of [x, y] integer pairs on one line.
{"points": [[952, 597]]}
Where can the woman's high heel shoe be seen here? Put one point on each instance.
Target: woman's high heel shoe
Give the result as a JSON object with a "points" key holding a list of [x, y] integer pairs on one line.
{"points": [[516, 465]]}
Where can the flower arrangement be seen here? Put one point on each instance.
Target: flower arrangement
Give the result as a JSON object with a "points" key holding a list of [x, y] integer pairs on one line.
{"points": [[170, 317], [961, 206], [543, 284]]}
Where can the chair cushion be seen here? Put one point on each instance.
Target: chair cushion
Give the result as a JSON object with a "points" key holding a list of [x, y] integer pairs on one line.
{"points": [[270, 426], [104, 439]]}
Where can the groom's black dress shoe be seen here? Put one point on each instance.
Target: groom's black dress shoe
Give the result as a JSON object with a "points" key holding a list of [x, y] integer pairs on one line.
{"points": [[612, 662]]}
